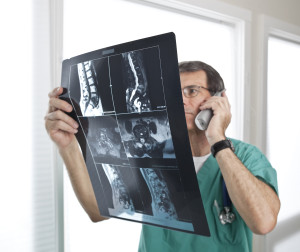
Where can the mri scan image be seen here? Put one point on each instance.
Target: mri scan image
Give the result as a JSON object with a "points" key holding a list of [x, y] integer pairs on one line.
{"points": [[90, 102], [147, 137], [122, 201], [137, 94], [132, 133]]}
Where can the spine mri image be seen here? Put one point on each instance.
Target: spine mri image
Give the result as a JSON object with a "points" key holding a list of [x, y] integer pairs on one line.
{"points": [[137, 94], [120, 195], [162, 205], [90, 103], [120, 106]]}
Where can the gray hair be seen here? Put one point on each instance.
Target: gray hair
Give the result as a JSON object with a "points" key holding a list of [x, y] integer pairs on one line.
{"points": [[214, 80]]}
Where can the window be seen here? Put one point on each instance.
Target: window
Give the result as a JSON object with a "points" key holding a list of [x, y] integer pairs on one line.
{"points": [[26, 183], [283, 122], [96, 24], [283, 138]]}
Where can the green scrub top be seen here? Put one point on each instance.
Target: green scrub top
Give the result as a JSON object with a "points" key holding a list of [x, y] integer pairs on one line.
{"points": [[229, 237]]}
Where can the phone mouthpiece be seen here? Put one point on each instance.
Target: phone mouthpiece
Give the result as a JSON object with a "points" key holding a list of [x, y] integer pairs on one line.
{"points": [[203, 118]]}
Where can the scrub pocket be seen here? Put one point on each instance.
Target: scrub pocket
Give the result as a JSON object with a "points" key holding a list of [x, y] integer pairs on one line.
{"points": [[229, 233]]}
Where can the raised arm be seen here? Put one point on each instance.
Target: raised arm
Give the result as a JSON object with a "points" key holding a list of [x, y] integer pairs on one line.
{"points": [[61, 129], [256, 202]]}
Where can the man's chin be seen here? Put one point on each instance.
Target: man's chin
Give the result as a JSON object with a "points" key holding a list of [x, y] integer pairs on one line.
{"points": [[191, 126]]}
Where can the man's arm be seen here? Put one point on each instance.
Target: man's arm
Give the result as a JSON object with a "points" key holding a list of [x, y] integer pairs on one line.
{"points": [[61, 129], [256, 202]]}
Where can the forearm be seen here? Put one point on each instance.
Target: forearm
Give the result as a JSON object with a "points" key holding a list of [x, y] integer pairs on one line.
{"points": [[255, 201], [80, 180]]}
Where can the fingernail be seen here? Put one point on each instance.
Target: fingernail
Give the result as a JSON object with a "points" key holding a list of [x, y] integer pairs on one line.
{"points": [[75, 125], [57, 90]]}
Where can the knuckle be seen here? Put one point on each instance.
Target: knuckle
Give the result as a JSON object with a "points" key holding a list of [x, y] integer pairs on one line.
{"points": [[57, 113], [70, 121], [59, 124]]}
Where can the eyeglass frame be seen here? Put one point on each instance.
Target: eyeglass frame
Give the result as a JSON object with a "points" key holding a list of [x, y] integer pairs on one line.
{"points": [[196, 87]]}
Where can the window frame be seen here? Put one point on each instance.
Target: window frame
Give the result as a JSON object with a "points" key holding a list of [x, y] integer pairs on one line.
{"points": [[277, 28], [271, 27], [212, 10], [241, 20], [56, 8]]}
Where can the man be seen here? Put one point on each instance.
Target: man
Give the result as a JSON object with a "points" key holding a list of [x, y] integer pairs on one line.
{"points": [[250, 180]]}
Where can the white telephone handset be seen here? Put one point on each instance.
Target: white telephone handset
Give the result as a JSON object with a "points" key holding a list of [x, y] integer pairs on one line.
{"points": [[203, 118]]}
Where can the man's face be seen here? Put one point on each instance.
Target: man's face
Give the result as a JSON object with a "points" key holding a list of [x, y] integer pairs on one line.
{"points": [[191, 105]]}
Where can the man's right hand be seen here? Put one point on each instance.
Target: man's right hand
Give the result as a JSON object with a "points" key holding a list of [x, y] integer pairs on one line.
{"points": [[60, 127]]}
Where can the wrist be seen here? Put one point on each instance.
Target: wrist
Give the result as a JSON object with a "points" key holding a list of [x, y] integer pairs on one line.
{"points": [[69, 149], [221, 145], [215, 139]]}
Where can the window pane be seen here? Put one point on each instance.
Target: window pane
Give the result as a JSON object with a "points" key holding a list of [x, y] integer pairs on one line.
{"points": [[116, 21], [283, 139], [283, 120], [113, 22]]}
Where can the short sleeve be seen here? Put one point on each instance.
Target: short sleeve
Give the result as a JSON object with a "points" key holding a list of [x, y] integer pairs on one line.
{"points": [[257, 163]]}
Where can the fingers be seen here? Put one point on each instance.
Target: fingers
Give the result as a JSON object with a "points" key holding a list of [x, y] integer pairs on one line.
{"points": [[55, 103], [221, 117], [58, 104], [224, 95], [55, 92], [216, 103], [57, 119], [58, 115], [59, 125], [221, 111]]}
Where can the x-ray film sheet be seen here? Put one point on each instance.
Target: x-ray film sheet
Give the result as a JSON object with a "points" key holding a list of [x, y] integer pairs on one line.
{"points": [[133, 136]]}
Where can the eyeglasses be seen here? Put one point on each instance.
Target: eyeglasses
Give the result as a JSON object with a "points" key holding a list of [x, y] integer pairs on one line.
{"points": [[192, 91]]}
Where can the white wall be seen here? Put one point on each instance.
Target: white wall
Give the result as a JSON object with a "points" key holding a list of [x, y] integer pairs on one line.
{"points": [[287, 10]]}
